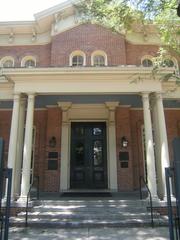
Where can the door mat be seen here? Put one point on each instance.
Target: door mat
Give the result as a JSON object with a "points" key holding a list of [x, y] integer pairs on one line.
{"points": [[86, 194]]}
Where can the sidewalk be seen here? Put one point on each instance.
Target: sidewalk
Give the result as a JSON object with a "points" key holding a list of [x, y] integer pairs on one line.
{"points": [[160, 233]]}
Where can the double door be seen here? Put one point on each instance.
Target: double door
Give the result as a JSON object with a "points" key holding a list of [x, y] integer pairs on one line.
{"points": [[88, 156]]}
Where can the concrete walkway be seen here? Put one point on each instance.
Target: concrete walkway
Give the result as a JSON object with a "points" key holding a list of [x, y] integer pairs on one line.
{"points": [[160, 233]]}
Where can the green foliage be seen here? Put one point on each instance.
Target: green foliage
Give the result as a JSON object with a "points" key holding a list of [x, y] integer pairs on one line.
{"points": [[120, 15]]}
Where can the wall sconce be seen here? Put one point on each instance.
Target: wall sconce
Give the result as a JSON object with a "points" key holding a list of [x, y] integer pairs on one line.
{"points": [[52, 142], [124, 142]]}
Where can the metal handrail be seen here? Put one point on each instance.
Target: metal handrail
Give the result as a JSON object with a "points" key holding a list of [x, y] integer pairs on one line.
{"points": [[141, 179], [28, 196]]}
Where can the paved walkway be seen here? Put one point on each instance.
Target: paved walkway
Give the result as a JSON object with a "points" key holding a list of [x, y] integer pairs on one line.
{"points": [[160, 233]]}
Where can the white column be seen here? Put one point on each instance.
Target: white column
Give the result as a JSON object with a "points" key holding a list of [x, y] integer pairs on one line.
{"points": [[112, 161], [150, 157], [13, 139], [157, 148], [163, 148], [20, 141], [65, 143], [27, 152]]}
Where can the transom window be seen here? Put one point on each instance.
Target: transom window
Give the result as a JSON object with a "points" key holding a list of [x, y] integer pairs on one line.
{"points": [[147, 62], [77, 60], [99, 60]]}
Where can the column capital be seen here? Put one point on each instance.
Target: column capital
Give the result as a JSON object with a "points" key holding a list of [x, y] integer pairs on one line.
{"points": [[111, 105], [145, 95], [17, 96], [31, 94], [65, 105]]}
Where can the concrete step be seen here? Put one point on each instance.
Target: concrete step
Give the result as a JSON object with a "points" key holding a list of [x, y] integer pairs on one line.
{"points": [[90, 213]]}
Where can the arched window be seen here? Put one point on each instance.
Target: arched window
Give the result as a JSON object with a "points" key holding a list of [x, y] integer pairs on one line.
{"points": [[99, 58], [7, 62], [28, 62], [168, 63], [146, 62], [77, 58]]}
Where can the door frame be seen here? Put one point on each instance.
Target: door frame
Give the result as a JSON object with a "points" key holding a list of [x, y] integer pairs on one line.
{"points": [[88, 113]]}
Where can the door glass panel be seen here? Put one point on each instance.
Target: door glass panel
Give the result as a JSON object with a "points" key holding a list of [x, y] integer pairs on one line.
{"points": [[97, 150], [97, 131], [79, 154], [79, 131]]}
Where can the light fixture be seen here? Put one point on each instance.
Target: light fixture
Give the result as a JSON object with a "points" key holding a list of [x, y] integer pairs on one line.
{"points": [[52, 142], [124, 142]]}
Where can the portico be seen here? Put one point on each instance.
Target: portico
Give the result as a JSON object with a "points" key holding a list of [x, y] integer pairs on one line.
{"points": [[29, 83]]}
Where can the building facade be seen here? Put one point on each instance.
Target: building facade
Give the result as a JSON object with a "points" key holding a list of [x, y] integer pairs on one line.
{"points": [[80, 108]]}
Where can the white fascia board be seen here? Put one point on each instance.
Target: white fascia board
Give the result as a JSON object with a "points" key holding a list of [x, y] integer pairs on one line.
{"points": [[55, 9]]}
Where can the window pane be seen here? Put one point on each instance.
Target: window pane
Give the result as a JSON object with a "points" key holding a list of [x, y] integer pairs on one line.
{"points": [[79, 131], [79, 154], [8, 64], [99, 60], [77, 60], [97, 149], [147, 63]]}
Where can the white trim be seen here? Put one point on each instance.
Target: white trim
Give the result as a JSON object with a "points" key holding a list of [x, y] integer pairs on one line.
{"points": [[87, 113]]}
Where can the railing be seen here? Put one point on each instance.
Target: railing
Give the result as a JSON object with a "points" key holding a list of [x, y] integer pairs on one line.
{"points": [[5, 213], [141, 179], [28, 196]]}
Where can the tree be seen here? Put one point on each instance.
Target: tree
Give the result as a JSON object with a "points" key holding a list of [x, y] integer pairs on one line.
{"points": [[121, 15]]}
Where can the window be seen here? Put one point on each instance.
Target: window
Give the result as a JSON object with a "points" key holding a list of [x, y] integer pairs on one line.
{"points": [[7, 62], [147, 62], [28, 62], [168, 63], [77, 58], [99, 58]]}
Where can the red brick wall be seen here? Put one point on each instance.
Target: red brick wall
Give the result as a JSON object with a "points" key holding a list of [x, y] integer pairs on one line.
{"points": [[42, 53], [134, 53], [5, 124], [88, 38], [128, 124], [52, 177], [125, 175]]}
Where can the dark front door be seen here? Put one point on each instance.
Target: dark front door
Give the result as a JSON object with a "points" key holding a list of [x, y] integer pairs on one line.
{"points": [[88, 156]]}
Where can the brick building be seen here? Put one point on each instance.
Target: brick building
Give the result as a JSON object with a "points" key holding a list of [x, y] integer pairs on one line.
{"points": [[79, 106]]}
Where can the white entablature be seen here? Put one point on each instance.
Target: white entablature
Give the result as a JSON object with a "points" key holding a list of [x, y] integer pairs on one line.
{"points": [[55, 20]]}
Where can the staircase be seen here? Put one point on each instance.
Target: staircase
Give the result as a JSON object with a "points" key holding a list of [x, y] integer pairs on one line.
{"points": [[88, 213]]}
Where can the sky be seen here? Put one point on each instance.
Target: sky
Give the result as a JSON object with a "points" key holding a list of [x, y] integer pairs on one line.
{"points": [[18, 10]]}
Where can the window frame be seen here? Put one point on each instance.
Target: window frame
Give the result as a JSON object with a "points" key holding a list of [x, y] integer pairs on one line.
{"points": [[77, 53]]}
